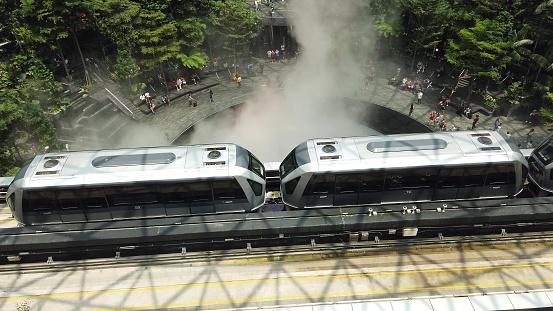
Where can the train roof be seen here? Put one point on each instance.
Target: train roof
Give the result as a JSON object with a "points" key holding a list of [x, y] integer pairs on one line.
{"points": [[425, 149], [129, 165]]}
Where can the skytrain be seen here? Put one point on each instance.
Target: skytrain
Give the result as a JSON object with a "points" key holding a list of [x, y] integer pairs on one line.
{"points": [[107, 185], [375, 170]]}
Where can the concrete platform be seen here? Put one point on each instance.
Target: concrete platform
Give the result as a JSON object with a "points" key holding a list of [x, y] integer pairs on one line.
{"points": [[254, 283]]}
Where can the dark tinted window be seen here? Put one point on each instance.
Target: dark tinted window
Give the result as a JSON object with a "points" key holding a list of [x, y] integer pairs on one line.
{"points": [[256, 166], [133, 195], [290, 186], [544, 153], [411, 179], [500, 175], [201, 192], [21, 173], [256, 187], [347, 183], [320, 184], [93, 198], [68, 199], [474, 176], [38, 201], [227, 189], [176, 193], [288, 165], [372, 181], [449, 178]]}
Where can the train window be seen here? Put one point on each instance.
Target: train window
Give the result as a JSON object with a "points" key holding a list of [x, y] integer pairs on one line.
{"points": [[256, 166], [38, 201], [93, 198], [21, 173], [131, 195], [201, 192], [227, 189], [545, 152], [411, 179], [134, 159], [449, 178], [320, 184], [256, 187], [372, 182], [499, 175], [176, 193], [347, 183], [474, 176], [291, 185], [68, 199], [288, 164]]}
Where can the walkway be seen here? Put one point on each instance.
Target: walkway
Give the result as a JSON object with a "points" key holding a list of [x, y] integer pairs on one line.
{"points": [[173, 120]]}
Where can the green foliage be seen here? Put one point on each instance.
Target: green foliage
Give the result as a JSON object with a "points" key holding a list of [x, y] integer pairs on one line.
{"points": [[234, 20], [483, 48], [490, 101], [125, 66], [389, 28], [196, 59], [514, 93], [547, 116]]}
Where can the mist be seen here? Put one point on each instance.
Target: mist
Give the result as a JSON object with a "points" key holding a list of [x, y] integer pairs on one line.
{"points": [[335, 44]]}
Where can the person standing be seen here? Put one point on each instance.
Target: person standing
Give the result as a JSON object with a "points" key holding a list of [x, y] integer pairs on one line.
{"points": [[190, 99], [239, 81], [211, 96], [419, 97], [496, 125], [476, 119], [411, 109]]}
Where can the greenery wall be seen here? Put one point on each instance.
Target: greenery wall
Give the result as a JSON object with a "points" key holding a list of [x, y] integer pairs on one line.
{"points": [[134, 37]]}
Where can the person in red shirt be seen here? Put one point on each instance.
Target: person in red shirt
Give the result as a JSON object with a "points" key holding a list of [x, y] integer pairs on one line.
{"points": [[476, 119]]}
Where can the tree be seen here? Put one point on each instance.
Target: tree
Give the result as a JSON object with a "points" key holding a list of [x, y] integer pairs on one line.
{"points": [[22, 120], [425, 26], [236, 22], [482, 49]]}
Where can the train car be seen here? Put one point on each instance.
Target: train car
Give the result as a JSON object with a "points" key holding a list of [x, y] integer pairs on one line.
{"points": [[540, 163], [106, 185], [374, 170], [4, 184]]}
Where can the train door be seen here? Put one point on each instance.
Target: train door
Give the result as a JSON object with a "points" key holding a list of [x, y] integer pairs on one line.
{"points": [[202, 198], [347, 189], [95, 204], [371, 187], [414, 185], [447, 186], [176, 198], [228, 197], [501, 182], [472, 182], [39, 207], [319, 191], [135, 201], [69, 206]]}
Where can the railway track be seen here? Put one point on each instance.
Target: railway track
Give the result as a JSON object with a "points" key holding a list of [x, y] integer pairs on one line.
{"points": [[293, 253]]}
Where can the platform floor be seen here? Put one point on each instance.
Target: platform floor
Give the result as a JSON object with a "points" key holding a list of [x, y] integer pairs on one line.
{"points": [[256, 283]]}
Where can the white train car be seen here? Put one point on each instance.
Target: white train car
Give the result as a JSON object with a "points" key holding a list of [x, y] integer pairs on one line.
{"points": [[357, 171], [105, 185]]}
